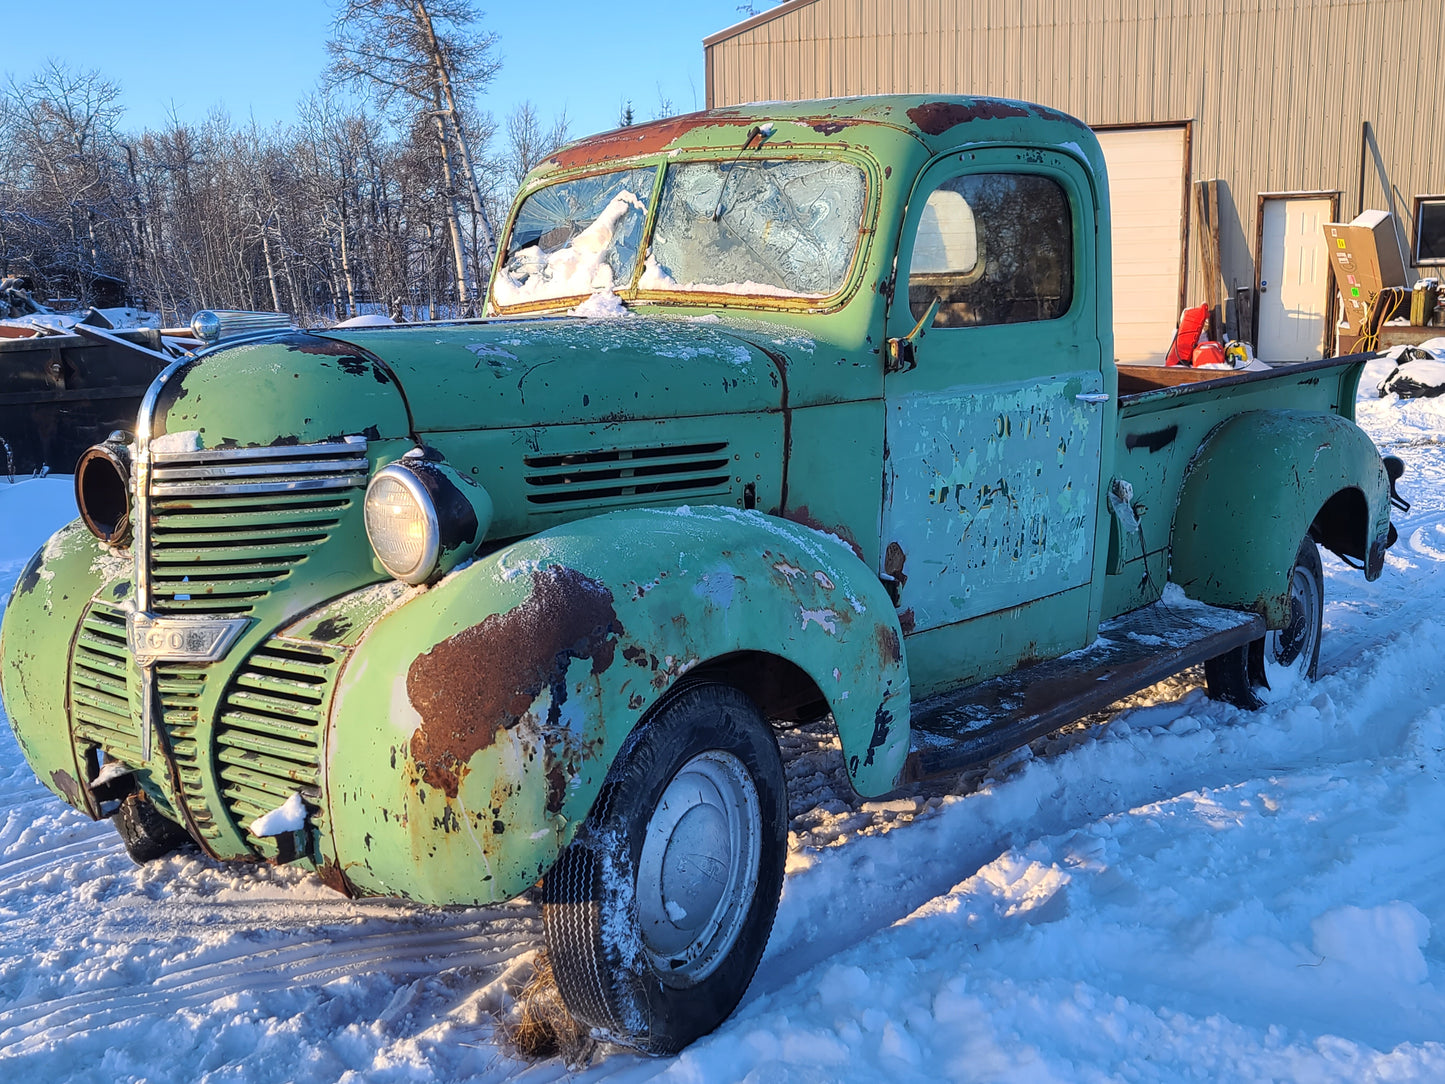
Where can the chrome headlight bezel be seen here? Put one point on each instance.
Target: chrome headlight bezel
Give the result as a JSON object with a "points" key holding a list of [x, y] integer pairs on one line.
{"points": [[103, 494], [426, 564]]}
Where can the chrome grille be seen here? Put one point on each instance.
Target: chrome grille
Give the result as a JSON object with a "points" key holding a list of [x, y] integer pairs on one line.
{"points": [[228, 526], [99, 705], [627, 476], [100, 710], [180, 687], [268, 741]]}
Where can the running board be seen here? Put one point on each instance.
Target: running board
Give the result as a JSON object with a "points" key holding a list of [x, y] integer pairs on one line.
{"points": [[976, 724]]}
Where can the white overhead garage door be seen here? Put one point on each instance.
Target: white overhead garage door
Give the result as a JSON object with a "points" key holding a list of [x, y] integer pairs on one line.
{"points": [[1148, 194]]}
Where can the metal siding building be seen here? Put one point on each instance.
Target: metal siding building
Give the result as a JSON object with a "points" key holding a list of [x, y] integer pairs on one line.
{"points": [[1339, 100]]}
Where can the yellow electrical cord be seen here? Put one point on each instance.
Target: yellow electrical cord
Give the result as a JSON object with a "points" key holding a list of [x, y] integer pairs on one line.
{"points": [[1370, 340]]}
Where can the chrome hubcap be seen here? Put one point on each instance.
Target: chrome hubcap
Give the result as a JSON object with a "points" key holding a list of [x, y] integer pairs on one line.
{"points": [[1288, 651], [699, 866]]}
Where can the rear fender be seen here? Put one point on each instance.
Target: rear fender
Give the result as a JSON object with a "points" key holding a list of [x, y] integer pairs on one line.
{"points": [[475, 722], [1255, 487]]}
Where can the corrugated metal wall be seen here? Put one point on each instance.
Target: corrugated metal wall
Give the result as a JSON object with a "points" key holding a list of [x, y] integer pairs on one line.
{"points": [[1279, 89]]}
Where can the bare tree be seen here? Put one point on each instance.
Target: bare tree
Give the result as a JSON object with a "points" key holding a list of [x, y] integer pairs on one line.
{"points": [[60, 132], [528, 142], [337, 214], [417, 55]]}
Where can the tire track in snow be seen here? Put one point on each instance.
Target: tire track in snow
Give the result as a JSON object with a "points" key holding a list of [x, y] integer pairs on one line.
{"points": [[30, 865], [405, 956], [905, 868]]}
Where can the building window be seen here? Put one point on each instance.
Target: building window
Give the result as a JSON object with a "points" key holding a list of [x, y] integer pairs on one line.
{"points": [[993, 248], [1429, 230]]}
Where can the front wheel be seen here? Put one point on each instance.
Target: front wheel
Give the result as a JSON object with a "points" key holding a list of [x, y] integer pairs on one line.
{"points": [[658, 912], [1267, 669], [146, 833]]}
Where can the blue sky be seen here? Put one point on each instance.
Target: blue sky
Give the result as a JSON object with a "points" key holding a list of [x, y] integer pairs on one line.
{"points": [[261, 56]]}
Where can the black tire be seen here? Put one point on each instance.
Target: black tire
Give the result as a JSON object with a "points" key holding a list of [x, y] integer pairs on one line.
{"points": [[1242, 676], [678, 791], [145, 831]]}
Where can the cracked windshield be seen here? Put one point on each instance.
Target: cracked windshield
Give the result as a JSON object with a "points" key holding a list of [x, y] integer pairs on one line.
{"points": [[782, 229], [576, 238]]}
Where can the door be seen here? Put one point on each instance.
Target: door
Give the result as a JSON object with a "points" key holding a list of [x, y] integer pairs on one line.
{"points": [[994, 434], [1294, 277], [1148, 199]]}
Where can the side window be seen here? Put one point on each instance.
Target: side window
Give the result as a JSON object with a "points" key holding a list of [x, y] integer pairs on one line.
{"points": [[1429, 230], [993, 248]]}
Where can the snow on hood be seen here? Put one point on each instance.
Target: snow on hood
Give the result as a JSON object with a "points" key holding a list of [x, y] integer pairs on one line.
{"points": [[517, 373]]}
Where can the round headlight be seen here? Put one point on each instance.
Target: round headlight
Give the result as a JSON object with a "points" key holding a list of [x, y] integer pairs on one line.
{"points": [[102, 491], [401, 522]]}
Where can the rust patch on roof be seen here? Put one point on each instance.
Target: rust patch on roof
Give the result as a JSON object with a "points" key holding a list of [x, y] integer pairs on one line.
{"points": [[935, 118], [485, 678], [1045, 113], [830, 127], [639, 138]]}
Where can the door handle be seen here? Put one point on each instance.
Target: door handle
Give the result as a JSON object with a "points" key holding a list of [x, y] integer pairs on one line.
{"points": [[1093, 397]]}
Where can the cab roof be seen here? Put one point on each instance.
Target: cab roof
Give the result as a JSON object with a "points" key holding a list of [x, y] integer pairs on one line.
{"points": [[938, 122]]}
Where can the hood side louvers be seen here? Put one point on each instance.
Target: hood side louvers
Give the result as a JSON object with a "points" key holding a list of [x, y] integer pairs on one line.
{"points": [[621, 477]]}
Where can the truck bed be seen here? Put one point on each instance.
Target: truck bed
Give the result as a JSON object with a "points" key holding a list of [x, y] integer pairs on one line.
{"points": [[1149, 383], [1162, 425]]}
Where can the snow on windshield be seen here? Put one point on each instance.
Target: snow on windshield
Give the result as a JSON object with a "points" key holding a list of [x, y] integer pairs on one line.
{"points": [[775, 228], [575, 238]]}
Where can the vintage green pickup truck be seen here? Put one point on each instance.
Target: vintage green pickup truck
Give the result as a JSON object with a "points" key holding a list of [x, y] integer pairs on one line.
{"points": [[800, 412]]}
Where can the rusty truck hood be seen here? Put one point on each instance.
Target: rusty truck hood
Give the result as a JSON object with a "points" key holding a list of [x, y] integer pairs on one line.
{"points": [[539, 372]]}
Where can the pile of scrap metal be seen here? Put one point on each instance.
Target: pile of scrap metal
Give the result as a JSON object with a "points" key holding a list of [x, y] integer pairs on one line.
{"points": [[67, 380]]}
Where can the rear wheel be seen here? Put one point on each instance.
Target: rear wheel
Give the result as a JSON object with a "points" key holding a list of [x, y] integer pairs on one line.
{"points": [[1267, 669], [146, 833], [658, 912]]}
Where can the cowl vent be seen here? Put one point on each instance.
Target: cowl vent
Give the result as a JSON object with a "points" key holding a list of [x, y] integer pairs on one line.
{"points": [[627, 476]]}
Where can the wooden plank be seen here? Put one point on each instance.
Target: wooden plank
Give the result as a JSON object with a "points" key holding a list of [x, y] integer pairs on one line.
{"points": [[1206, 210]]}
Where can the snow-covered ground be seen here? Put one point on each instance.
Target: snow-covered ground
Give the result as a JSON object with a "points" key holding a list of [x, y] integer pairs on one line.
{"points": [[1178, 891]]}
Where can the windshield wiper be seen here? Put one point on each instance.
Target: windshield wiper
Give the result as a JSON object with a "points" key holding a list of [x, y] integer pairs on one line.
{"points": [[760, 132]]}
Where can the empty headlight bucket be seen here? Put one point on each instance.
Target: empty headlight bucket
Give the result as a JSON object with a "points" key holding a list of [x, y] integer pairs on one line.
{"points": [[423, 518], [102, 490]]}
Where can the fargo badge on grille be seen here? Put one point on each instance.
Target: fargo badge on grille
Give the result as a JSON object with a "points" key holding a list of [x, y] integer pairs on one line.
{"points": [[182, 638]]}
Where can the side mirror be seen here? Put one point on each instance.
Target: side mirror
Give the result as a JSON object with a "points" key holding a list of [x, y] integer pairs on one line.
{"points": [[900, 354]]}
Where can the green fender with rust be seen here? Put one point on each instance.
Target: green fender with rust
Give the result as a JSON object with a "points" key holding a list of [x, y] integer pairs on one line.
{"points": [[40, 621], [476, 720], [1253, 490]]}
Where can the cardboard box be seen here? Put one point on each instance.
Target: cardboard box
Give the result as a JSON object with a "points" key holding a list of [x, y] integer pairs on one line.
{"points": [[1365, 256]]}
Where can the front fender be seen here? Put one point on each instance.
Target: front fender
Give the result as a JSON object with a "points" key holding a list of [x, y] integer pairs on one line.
{"points": [[1252, 491], [475, 723], [40, 623]]}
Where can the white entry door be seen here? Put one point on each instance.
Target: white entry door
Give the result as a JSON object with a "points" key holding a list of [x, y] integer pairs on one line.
{"points": [[1293, 277], [1148, 194]]}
